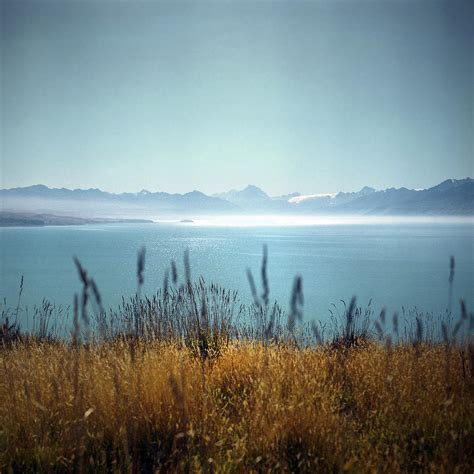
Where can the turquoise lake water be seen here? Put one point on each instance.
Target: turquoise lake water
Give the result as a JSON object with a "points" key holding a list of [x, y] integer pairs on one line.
{"points": [[394, 265]]}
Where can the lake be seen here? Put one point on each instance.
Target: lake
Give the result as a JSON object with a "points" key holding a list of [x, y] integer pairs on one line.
{"points": [[395, 265]]}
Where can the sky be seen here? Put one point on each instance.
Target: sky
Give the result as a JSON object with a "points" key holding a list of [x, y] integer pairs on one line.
{"points": [[314, 97]]}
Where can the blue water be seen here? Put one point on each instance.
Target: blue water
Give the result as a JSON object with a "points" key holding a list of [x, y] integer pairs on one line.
{"points": [[394, 265]]}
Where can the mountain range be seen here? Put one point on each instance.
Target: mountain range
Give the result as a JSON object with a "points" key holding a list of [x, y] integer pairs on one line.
{"points": [[451, 197]]}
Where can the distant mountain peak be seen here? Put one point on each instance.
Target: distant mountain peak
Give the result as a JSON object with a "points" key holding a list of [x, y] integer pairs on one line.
{"points": [[367, 190], [254, 191], [249, 194], [195, 192], [452, 183], [252, 187]]}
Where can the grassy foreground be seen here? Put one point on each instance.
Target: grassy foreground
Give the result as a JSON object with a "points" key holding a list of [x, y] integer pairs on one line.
{"points": [[189, 380], [145, 406]]}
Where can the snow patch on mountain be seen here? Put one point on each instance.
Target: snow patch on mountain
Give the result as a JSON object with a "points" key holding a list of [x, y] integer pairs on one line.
{"points": [[311, 197]]}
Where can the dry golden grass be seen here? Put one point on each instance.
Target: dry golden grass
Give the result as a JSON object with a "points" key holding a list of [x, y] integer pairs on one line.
{"points": [[145, 407]]}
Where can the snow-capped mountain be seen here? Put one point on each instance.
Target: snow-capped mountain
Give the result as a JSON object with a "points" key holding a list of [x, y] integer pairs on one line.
{"points": [[451, 197]]}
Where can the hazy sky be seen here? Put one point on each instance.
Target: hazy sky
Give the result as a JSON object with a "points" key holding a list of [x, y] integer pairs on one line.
{"points": [[291, 96]]}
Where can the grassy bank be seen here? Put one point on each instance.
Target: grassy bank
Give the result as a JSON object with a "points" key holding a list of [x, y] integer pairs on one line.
{"points": [[189, 380], [140, 406]]}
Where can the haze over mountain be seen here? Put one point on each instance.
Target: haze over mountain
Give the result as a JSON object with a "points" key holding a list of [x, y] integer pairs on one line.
{"points": [[249, 195], [97, 203], [451, 197]]}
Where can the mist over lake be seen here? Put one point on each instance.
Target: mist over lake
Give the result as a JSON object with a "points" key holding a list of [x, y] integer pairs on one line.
{"points": [[396, 265]]}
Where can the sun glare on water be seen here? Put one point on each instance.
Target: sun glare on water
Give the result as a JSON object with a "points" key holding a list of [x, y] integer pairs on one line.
{"points": [[274, 220]]}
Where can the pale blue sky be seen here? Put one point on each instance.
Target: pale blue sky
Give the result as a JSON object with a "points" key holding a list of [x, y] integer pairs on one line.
{"points": [[291, 96]]}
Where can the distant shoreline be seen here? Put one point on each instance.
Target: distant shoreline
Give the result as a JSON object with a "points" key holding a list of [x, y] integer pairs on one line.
{"points": [[13, 219]]}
